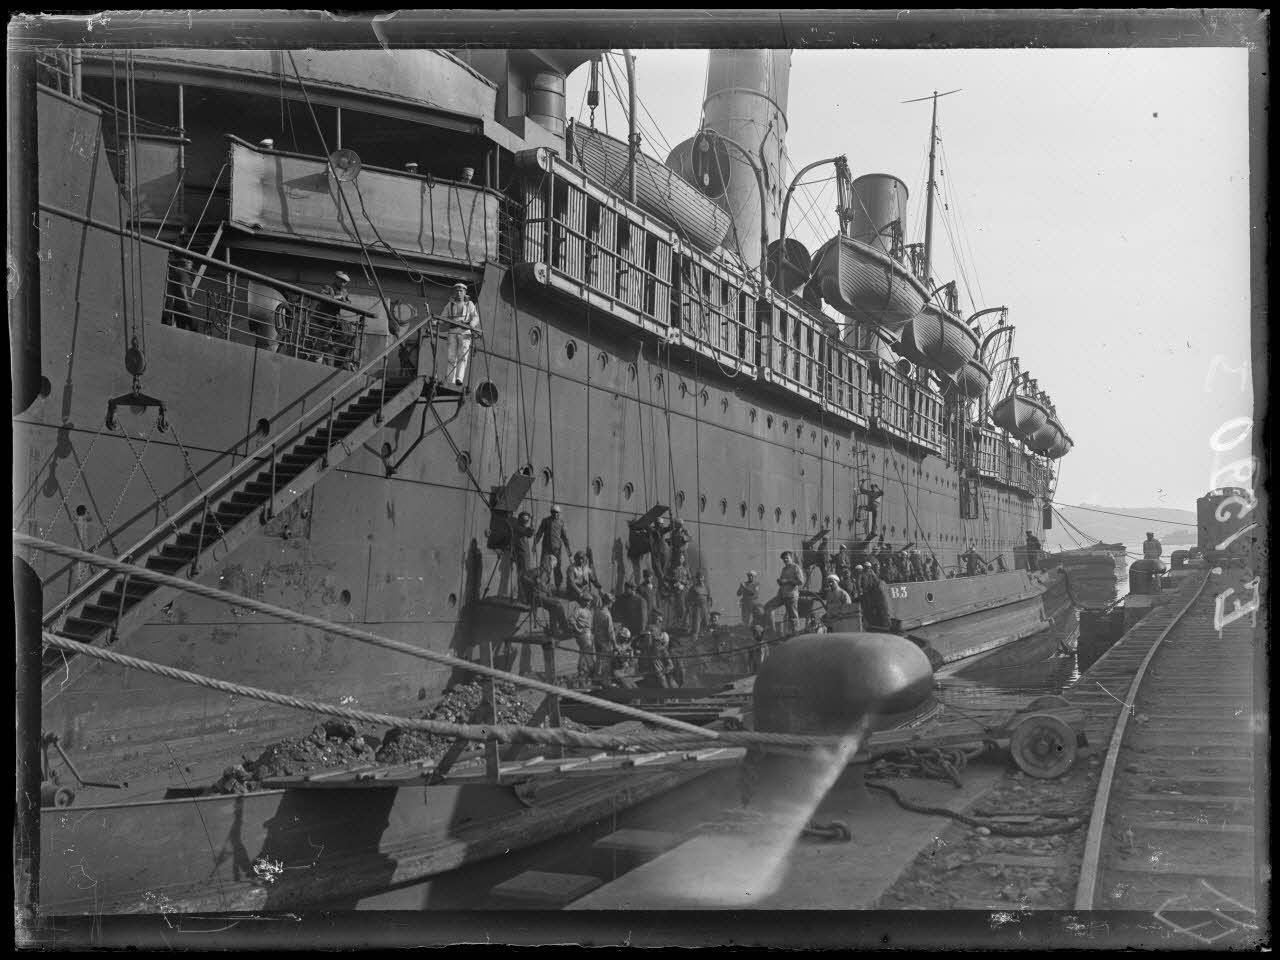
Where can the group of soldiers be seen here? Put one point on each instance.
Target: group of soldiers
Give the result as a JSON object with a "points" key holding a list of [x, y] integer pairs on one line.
{"points": [[618, 638], [624, 636]]}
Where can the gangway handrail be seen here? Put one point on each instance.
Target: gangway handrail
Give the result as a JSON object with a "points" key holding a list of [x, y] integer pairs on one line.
{"points": [[321, 408]]}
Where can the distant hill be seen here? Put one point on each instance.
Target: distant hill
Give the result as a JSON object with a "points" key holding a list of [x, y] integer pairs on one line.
{"points": [[1164, 522]]}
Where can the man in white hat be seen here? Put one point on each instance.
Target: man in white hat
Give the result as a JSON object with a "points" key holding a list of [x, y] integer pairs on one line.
{"points": [[331, 337], [463, 320], [834, 595]]}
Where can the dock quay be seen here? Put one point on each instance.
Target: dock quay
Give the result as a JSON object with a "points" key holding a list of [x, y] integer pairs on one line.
{"points": [[1167, 782]]}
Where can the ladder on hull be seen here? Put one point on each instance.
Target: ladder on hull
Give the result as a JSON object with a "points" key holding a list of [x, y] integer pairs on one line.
{"points": [[235, 508]]}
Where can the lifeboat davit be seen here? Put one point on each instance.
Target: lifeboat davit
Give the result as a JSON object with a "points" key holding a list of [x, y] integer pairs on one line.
{"points": [[857, 270], [943, 340], [660, 190], [1021, 416]]}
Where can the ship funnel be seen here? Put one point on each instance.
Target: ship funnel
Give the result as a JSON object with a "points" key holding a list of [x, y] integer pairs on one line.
{"points": [[746, 103]]}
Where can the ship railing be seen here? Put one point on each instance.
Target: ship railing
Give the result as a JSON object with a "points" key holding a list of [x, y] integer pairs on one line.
{"points": [[59, 69], [926, 418], [584, 241], [224, 303], [848, 384], [891, 406], [715, 311], [990, 457], [792, 348], [320, 415]]}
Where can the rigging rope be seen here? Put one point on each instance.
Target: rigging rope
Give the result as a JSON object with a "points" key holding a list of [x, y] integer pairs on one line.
{"points": [[1130, 516], [283, 613], [683, 735]]}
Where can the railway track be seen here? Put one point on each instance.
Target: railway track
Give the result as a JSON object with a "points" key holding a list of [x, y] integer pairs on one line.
{"points": [[1176, 813]]}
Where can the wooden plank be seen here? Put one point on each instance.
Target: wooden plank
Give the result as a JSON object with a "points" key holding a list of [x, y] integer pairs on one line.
{"points": [[1204, 798], [999, 859], [542, 888], [1181, 826]]}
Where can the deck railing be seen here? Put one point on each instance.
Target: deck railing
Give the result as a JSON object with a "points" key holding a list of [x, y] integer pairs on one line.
{"points": [[221, 302]]}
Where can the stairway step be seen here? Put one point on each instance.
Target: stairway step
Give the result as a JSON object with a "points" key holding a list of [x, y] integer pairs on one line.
{"points": [[165, 564], [77, 628], [99, 613], [247, 499], [176, 551], [112, 600]]}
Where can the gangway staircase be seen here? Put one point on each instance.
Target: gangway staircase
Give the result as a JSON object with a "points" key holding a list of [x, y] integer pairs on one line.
{"points": [[235, 508]]}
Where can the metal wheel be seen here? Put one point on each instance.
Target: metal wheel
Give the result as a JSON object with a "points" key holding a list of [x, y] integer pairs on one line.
{"points": [[1043, 746], [1048, 702]]}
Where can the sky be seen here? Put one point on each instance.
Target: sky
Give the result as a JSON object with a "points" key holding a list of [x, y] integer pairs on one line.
{"points": [[1101, 194]]}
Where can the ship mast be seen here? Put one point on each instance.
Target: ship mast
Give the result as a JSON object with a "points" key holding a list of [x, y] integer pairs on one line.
{"points": [[928, 207]]}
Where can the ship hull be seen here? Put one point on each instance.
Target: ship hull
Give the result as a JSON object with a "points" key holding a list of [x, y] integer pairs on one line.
{"points": [[866, 284], [393, 539]]}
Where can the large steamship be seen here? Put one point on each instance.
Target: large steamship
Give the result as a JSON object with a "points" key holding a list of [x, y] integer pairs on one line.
{"points": [[652, 341]]}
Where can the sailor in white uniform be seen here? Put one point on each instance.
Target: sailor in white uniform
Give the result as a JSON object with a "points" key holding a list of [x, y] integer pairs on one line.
{"points": [[464, 325]]}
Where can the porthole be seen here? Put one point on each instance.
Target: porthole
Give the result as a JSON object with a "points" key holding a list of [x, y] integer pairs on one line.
{"points": [[760, 510], [535, 335], [826, 522], [786, 427], [632, 372], [724, 506], [702, 502], [752, 414], [603, 360], [657, 382], [570, 349], [724, 404], [929, 597], [777, 514], [526, 470], [684, 389], [453, 599], [464, 462], [82, 510], [768, 421], [839, 523], [826, 442], [813, 436], [794, 515], [46, 387], [706, 398], [627, 490], [546, 476], [813, 519], [679, 499], [345, 598], [597, 485], [742, 509], [837, 444]]}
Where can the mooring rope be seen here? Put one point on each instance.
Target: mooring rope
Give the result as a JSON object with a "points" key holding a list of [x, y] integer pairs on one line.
{"points": [[351, 633], [498, 732]]}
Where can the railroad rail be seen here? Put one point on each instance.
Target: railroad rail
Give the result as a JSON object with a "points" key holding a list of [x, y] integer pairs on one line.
{"points": [[1173, 823]]}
